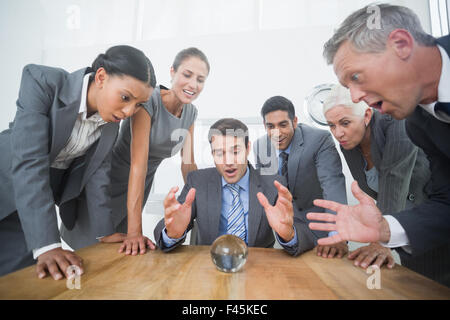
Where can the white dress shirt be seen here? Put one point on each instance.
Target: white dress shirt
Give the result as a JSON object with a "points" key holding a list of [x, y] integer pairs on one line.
{"points": [[398, 234], [85, 133]]}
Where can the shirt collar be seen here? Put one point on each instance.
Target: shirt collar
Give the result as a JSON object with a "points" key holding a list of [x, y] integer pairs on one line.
{"points": [[83, 104], [243, 183]]}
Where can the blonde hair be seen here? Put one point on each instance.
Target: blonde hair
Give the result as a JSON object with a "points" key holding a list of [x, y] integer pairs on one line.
{"points": [[340, 96]]}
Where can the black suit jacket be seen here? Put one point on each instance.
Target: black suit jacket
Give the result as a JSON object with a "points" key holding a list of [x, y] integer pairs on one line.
{"points": [[428, 225]]}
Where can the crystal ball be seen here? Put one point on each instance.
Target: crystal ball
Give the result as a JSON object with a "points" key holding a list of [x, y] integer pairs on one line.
{"points": [[229, 253]]}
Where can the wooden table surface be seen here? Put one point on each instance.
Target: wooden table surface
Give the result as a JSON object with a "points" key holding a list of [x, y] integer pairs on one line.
{"points": [[189, 273]]}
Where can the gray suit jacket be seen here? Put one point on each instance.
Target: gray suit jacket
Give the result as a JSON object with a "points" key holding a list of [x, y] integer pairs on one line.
{"points": [[206, 211], [47, 107], [314, 167], [402, 167]]}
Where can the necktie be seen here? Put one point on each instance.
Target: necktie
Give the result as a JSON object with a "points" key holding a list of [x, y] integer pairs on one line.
{"points": [[236, 222], [284, 165], [443, 107]]}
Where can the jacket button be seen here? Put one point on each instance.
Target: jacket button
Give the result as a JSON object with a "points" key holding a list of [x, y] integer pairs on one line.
{"points": [[411, 197]]}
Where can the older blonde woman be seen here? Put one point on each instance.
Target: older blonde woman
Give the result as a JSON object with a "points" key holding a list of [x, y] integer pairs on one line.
{"points": [[382, 159]]}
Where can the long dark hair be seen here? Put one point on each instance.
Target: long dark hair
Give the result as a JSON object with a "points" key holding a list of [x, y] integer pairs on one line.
{"points": [[126, 60]]}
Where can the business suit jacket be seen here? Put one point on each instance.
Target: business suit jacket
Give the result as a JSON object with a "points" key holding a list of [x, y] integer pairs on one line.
{"points": [[314, 167], [47, 107], [403, 170], [206, 211], [428, 224]]}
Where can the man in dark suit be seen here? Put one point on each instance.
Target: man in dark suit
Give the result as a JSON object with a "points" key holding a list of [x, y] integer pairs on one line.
{"points": [[305, 156], [231, 199], [402, 71]]}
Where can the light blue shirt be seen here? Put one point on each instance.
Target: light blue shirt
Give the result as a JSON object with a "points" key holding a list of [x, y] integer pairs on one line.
{"points": [[227, 199]]}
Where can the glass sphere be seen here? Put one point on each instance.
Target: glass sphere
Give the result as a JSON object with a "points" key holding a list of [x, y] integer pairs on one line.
{"points": [[229, 253]]}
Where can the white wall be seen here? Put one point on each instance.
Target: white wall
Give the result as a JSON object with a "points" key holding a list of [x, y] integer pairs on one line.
{"points": [[256, 48]]}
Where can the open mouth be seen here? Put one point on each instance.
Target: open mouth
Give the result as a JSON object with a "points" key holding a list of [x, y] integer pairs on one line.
{"points": [[116, 119], [230, 172], [377, 105]]}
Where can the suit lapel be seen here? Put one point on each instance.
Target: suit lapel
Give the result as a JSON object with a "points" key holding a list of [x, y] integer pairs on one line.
{"points": [[214, 196], [294, 157], [64, 115], [255, 210]]}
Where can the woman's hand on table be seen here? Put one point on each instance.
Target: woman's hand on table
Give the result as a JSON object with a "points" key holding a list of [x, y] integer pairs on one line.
{"points": [[133, 244]]}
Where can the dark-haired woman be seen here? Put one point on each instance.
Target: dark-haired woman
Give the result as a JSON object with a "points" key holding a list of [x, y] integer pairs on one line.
{"points": [[164, 126], [57, 151]]}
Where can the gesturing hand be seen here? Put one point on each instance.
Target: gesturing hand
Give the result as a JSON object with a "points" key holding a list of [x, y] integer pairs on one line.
{"points": [[280, 216], [177, 216], [361, 223]]}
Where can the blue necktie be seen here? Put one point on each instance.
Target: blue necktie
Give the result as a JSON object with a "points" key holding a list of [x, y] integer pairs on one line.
{"points": [[235, 217], [443, 107]]}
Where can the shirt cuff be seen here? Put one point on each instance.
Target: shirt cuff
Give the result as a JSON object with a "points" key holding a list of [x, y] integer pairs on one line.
{"points": [[291, 243], [38, 252], [398, 234], [168, 241]]}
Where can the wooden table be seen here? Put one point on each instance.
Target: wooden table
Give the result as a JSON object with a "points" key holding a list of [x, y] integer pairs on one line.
{"points": [[188, 273]]}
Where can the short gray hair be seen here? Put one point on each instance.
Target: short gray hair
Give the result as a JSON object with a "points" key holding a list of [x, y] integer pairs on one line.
{"points": [[340, 96], [355, 29]]}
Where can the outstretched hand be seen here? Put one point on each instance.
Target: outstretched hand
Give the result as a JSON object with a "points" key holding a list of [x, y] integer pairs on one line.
{"points": [[177, 216], [281, 215], [363, 222]]}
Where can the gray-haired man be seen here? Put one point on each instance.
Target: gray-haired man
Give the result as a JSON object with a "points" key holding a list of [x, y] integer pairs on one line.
{"points": [[398, 69]]}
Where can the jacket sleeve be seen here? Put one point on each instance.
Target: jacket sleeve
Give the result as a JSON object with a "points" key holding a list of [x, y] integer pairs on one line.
{"points": [[30, 139]]}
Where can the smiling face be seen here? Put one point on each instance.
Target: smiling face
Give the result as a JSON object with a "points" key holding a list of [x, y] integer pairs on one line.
{"points": [[280, 128], [385, 81], [189, 79], [348, 128], [230, 156], [116, 97]]}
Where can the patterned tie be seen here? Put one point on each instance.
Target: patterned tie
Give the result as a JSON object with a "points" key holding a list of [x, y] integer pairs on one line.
{"points": [[284, 165], [236, 222], [443, 107]]}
